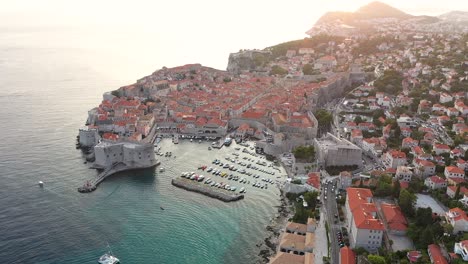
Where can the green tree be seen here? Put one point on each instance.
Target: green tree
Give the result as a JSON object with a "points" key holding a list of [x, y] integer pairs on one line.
{"points": [[376, 259], [423, 216], [426, 237], [308, 69], [457, 193], [324, 119], [406, 201], [358, 119], [378, 113], [277, 70], [304, 153], [390, 82], [396, 189], [311, 199]]}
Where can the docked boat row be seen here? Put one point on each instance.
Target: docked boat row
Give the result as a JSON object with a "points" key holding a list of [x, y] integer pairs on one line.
{"points": [[231, 176], [235, 161], [208, 181]]}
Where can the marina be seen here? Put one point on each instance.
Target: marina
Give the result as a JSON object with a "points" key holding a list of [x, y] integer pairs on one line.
{"points": [[241, 169]]}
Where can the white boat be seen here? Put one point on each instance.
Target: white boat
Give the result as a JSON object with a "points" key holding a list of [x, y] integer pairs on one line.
{"points": [[108, 258], [242, 190], [161, 169], [41, 183]]}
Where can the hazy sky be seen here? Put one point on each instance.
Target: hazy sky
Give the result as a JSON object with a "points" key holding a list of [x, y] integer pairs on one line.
{"points": [[173, 32]]}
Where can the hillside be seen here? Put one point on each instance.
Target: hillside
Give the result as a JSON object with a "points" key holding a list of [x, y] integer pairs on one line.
{"points": [[455, 16], [380, 10], [369, 11]]}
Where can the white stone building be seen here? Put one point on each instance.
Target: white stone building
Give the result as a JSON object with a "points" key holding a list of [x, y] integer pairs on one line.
{"points": [[365, 227], [333, 151], [403, 173], [394, 158], [461, 248], [457, 218]]}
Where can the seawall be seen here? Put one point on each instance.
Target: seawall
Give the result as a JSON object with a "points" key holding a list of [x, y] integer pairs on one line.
{"points": [[206, 190], [90, 186]]}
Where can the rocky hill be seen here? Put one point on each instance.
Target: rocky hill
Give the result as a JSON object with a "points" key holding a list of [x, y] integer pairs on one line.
{"points": [[371, 11], [455, 16]]}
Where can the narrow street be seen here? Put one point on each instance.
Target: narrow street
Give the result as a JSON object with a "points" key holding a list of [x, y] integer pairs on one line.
{"points": [[332, 211]]}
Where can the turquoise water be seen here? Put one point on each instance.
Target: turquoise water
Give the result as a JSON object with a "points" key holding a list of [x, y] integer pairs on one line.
{"points": [[44, 98]]}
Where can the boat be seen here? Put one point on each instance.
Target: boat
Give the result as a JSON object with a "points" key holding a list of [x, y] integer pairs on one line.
{"points": [[242, 190], [108, 258], [161, 169], [227, 142], [209, 148], [41, 183], [161, 207]]}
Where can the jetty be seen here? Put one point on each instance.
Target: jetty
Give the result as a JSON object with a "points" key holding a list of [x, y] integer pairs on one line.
{"points": [[219, 194], [91, 185]]}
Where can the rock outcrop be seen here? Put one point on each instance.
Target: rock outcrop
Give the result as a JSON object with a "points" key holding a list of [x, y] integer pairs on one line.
{"points": [[247, 60]]}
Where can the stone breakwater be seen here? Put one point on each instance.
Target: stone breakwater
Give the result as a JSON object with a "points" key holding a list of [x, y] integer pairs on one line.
{"points": [[222, 195]]}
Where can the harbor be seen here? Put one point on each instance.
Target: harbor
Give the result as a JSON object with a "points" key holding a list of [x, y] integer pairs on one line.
{"points": [[247, 190]]}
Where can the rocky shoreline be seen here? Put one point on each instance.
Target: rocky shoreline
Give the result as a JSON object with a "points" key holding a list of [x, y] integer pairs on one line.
{"points": [[211, 192], [268, 247]]}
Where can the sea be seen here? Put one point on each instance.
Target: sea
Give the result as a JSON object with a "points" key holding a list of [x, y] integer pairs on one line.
{"points": [[45, 93]]}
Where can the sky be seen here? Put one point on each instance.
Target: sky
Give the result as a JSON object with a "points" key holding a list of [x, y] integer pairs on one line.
{"points": [[174, 32]]}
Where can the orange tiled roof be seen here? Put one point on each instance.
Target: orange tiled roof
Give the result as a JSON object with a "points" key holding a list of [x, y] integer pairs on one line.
{"points": [[363, 209], [394, 217], [436, 254], [347, 256]]}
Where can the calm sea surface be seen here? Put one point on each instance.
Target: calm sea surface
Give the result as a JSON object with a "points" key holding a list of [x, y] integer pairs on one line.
{"points": [[45, 93]]}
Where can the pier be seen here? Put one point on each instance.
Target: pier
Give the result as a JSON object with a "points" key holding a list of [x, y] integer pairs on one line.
{"points": [[219, 194], [90, 186]]}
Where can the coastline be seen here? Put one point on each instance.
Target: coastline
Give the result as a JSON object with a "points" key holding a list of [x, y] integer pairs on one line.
{"points": [[268, 247]]}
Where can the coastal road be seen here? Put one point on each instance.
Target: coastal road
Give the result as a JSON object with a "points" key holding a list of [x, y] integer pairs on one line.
{"points": [[331, 211]]}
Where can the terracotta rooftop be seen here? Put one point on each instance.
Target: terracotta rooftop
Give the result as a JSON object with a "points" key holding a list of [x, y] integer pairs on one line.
{"points": [[394, 217], [363, 209], [347, 256], [436, 253]]}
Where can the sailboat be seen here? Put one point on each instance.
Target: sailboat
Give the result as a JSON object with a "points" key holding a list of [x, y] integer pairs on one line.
{"points": [[108, 258]]}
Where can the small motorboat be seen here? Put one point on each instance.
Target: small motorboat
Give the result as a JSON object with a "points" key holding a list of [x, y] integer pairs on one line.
{"points": [[108, 258], [161, 207], [41, 184]]}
